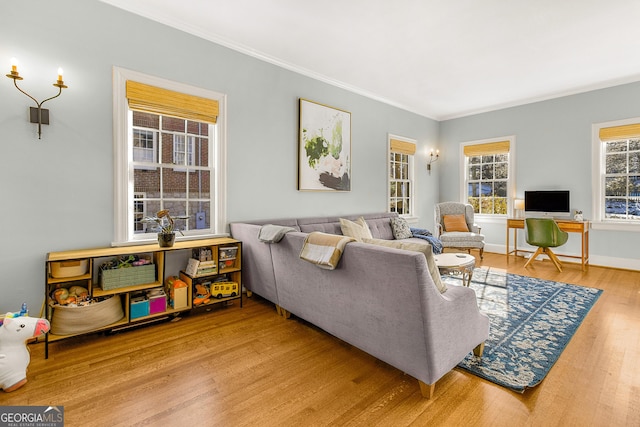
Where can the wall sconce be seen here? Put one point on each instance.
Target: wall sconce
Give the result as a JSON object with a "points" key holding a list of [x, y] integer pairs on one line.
{"points": [[38, 115], [432, 158], [518, 206]]}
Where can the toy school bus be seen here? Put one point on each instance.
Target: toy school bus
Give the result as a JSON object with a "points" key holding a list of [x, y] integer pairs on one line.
{"points": [[224, 289]]}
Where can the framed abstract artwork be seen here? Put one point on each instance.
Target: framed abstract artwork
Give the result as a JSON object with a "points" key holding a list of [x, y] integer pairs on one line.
{"points": [[324, 148]]}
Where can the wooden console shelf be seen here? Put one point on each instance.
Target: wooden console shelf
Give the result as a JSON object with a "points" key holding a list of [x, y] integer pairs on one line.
{"points": [[81, 268], [569, 226]]}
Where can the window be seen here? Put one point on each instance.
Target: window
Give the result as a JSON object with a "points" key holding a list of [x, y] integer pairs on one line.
{"points": [[164, 129], [401, 180], [144, 146], [488, 182], [183, 149], [139, 212], [617, 172]]}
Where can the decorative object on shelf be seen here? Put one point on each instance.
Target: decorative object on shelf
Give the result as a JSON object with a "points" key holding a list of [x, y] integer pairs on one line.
{"points": [[15, 357], [432, 159], [518, 207], [578, 215], [38, 115], [166, 240], [324, 148], [164, 223]]}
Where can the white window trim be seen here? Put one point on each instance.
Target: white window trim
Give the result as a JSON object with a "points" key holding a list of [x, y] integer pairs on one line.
{"points": [[413, 217], [123, 210], [511, 182], [597, 180]]}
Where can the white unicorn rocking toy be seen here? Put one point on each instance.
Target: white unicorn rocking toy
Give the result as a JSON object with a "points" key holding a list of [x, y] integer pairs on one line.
{"points": [[16, 329]]}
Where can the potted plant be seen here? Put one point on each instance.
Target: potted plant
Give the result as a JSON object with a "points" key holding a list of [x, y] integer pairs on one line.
{"points": [[165, 225]]}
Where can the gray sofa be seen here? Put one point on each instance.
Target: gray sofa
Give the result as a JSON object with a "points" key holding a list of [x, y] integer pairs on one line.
{"points": [[379, 299]]}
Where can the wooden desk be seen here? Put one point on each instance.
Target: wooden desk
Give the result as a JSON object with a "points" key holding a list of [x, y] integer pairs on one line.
{"points": [[570, 226]]}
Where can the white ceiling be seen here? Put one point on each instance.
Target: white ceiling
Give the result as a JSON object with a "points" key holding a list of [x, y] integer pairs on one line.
{"points": [[439, 58]]}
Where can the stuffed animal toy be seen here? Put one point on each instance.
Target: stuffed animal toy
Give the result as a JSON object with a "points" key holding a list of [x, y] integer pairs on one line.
{"points": [[14, 355], [74, 294], [203, 295]]}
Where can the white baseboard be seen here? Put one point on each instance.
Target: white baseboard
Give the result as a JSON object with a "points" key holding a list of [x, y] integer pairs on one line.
{"points": [[595, 260]]}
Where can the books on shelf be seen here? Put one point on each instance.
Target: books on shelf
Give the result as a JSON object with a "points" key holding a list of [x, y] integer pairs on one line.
{"points": [[196, 268]]}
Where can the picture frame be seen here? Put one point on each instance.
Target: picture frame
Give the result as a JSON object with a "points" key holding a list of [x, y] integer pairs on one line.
{"points": [[324, 148]]}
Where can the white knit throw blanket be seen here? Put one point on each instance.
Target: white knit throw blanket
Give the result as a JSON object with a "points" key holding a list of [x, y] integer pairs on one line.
{"points": [[324, 250]]}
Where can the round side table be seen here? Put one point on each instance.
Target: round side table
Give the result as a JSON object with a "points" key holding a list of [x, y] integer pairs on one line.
{"points": [[456, 264]]}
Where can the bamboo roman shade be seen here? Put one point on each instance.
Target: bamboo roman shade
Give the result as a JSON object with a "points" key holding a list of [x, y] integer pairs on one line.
{"points": [[152, 99], [402, 147], [620, 132], [498, 147]]}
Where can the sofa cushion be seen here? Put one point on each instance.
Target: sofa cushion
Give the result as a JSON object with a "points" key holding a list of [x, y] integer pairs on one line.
{"points": [[401, 229], [358, 229], [423, 247], [455, 223], [330, 225], [380, 228]]}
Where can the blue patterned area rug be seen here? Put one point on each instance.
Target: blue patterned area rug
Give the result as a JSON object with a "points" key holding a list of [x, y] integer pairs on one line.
{"points": [[532, 321]]}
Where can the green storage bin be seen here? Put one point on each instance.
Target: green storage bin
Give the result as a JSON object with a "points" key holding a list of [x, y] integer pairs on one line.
{"points": [[123, 277]]}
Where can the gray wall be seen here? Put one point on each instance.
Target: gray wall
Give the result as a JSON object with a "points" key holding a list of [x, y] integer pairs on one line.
{"points": [[553, 151], [57, 193]]}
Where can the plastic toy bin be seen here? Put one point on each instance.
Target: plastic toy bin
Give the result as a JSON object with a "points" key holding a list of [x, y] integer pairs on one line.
{"points": [[228, 252], [139, 307], [157, 301]]}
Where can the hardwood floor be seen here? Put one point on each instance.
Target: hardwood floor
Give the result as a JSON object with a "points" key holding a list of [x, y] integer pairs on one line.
{"points": [[249, 367]]}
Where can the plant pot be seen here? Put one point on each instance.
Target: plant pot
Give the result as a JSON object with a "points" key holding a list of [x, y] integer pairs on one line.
{"points": [[166, 240]]}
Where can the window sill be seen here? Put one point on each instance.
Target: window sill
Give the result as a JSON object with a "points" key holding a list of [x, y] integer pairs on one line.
{"points": [[152, 241], [615, 226]]}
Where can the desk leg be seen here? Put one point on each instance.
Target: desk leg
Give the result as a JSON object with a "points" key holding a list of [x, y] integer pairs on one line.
{"points": [[508, 230], [515, 242], [585, 249]]}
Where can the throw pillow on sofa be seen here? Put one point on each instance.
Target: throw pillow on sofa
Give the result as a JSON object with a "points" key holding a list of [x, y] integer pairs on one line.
{"points": [[358, 230], [425, 248], [455, 223], [400, 228]]}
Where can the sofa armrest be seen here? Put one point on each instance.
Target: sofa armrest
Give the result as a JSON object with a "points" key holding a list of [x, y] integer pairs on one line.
{"points": [[456, 326]]}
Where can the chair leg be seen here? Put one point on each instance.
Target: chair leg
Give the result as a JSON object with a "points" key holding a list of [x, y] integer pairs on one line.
{"points": [[553, 258], [537, 252]]}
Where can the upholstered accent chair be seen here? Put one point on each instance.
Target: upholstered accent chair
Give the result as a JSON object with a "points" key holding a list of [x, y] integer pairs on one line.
{"points": [[456, 228], [545, 234]]}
